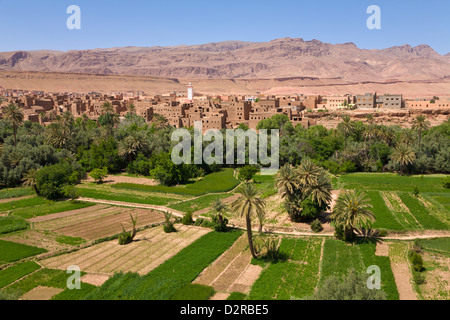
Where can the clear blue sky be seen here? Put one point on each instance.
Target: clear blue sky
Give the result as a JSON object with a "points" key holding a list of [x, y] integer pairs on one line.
{"points": [[41, 24]]}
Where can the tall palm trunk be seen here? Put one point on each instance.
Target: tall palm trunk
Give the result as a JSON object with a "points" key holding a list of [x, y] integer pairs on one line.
{"points": [[15, 136], [250, 236]]}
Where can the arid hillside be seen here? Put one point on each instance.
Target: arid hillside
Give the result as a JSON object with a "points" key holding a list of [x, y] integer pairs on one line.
{"points": [[281, 58]]}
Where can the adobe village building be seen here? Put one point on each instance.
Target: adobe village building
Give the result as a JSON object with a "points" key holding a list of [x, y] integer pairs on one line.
{"points": [[215, 112]]}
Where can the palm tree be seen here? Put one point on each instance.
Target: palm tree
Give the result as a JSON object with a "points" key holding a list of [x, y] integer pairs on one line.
{"points": [[107, 108], [15, 117], [403, 155], [57, 135], [420, 125], [407, 137], [29, 179], [307, 173], [131, 145], [220, 208], [347, 127], [160, 122], [320, 191], [84, 121], [286, 181], [352, 211], [247, 205], [132, 109]]}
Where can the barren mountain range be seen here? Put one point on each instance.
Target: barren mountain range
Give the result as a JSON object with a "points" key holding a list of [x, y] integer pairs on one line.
{"points": [[281, 59]]}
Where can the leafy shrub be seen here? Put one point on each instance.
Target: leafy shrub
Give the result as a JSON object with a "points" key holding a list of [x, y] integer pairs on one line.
{"points": [[127, 237], [247, 172], [99, 174], [416, 261], [316, 226], [200, 222], [446, 182], [382, 232], [219, 223], [168, 224], [51, 180], [350, 287], [416, 191], [268, 245], [187, 219], [418, 278]]}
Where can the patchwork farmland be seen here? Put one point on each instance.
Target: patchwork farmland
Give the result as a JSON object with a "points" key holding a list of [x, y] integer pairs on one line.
{"points": [[40, 239]]}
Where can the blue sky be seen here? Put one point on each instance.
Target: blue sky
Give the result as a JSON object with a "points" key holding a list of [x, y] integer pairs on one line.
{"points": [[41, 24]]}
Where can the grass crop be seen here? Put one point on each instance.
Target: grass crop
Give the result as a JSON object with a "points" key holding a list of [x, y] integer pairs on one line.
{"points": [[438, 245], [11, 251], [75, 294], [294, 277], [339, 258], [201, 203], [11, 224], [15, 193], [104, 195], [193, 292], [14, 273], [221, 181]]}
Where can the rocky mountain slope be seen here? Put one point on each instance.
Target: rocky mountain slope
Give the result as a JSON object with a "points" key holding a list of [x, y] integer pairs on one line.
{"points": [[281, 58]]}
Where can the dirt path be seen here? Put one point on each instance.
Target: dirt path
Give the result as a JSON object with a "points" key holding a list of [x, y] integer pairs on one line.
{"points": [[400, 269]]}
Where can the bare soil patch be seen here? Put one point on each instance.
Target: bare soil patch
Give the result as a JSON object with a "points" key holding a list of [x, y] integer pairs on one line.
{"points": [[113, 179], [38, 239], [220, 296], [66, 214], [95, 279], [110, 225], [151, 248], [382, 249], [41, 293]]}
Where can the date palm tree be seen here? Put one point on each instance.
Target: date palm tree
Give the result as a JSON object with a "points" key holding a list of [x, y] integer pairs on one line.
{"points": [[420, 125], [403, 155], [248, 205], [352, 211], [160, 122], [347, 127], [29, 179], [131, 145], [220, 208], [57, 135], [307, 173], [15, 117], [286, 181], [320, 190]]}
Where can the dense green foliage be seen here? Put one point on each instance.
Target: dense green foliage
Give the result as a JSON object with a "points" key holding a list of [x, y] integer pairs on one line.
{"points": [[193, 292]]}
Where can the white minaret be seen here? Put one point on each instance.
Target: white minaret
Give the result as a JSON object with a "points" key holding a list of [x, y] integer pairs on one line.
{"points": [[190, 92]]}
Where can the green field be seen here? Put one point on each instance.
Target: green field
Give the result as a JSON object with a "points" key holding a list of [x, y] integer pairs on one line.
{"points": [[14, 273], [394, 205], [125, 197], [197, 204], [265, 185], [11, 224], [295, 277], [164, 281], [15, 193], [339, 258], [37, 206], [11, 251], [438, 245], [217, 182]]}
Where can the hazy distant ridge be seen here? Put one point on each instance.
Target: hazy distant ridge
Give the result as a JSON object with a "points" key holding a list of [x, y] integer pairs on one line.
{"points": [[240, 60]]}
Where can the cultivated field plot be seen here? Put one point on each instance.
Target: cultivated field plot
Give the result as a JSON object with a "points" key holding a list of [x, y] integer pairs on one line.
{"points": [[96, 222], [395, 206], [150, 248], [295, 277], [232, 271], [339, 257]]}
